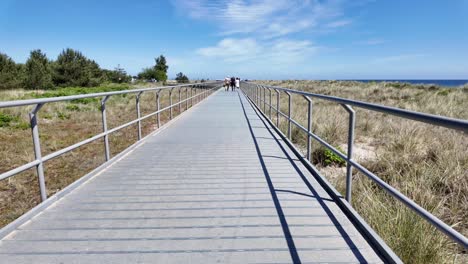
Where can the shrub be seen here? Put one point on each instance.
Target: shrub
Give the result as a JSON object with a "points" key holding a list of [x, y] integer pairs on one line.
{"points": [[6, 119], [443, 92], [326, 157], [182, 78]]}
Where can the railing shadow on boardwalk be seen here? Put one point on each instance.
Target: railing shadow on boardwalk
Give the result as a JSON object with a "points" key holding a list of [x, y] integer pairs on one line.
{"points": [[284, 224]]}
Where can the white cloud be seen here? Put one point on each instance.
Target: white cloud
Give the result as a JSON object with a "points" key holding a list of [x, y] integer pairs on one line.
{"points": [[259, 34], [233, 50], [266, 18]]}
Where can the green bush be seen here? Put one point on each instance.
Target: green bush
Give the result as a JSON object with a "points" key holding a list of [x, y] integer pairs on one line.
{"points": [[326, 157], [22, 125], [6, 119], [444, 92]]}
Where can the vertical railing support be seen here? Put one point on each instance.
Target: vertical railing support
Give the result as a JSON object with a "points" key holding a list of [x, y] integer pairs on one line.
{"points": [[277, 108], [349, 167], [138, 114], [104, 127], [309, 127], [270, 103], [264, 100], [191, 96], [186, 98], [180, 100], [37, 151], [289, 114], [158, 106], [259, 97], [170, 103]]}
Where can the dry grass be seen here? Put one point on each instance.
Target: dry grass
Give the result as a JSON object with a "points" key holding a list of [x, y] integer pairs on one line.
{"points": [[63, 124], [426, 163]]}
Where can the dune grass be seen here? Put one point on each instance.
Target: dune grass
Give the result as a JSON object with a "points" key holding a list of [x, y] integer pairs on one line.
{"points": [[428, 164], [62, 124]]}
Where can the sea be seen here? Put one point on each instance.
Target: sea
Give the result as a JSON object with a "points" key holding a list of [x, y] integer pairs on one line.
{"points": [[447, 83]]}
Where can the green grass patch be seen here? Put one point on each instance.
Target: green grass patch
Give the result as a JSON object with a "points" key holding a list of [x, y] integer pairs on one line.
{"points": [[6, 119], [73, 107], [69, 91], [63, 116]]}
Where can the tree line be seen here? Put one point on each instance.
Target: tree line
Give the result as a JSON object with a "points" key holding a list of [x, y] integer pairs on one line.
{"points": [[71, 69]]}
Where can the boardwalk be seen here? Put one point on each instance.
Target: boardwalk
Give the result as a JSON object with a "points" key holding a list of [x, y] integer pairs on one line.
{"points": [[216, 186]]}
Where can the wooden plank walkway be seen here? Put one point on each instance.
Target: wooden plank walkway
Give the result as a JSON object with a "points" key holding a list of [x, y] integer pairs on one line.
{"points": [[217, 186]]}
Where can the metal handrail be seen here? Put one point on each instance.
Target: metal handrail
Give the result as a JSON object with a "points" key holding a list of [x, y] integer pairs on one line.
{"points": [[257, 94], [39, 160]]}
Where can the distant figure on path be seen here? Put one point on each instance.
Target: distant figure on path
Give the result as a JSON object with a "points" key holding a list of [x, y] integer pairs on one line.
{"points": [[237, 83], [227, 83], [233, 83]]}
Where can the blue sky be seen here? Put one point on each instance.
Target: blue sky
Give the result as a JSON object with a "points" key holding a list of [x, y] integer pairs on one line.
{"points": [[264, 39]]}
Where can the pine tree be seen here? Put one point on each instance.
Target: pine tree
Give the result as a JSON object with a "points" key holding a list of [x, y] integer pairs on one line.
{"points": [[9, 73], [72, 68], [38, 71], [181, 78], [161, 69]]}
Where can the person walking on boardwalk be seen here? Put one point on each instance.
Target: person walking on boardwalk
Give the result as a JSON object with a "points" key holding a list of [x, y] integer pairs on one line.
{"points": [[227, 83], [233, 83], [237, 83]]}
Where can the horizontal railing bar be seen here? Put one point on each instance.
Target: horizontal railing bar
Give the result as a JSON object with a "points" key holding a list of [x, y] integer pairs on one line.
{"points": [[96, 137], [452, 233], [449, 231], [16, 103], [72, 147], [448, 122], [50, 156], [19, 169]]}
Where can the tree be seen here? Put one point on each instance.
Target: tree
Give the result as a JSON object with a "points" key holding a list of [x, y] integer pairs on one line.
{"points": [[119, 75], [161, 69], [10, 73], [38, 71], [181, 78], [72, 68], [147, 74]]}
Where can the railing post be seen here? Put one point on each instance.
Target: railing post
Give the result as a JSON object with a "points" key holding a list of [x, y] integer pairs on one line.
{"points": [[349, 167], [180, 100], [37, 151], [186, 98], [258, 95], [289, 114], [170, 103], [104, 127], [309, 128], [259, 98], [270, 103], [191, 96], [138, 114], [158, 106], [277, 108], [264, 100]]}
